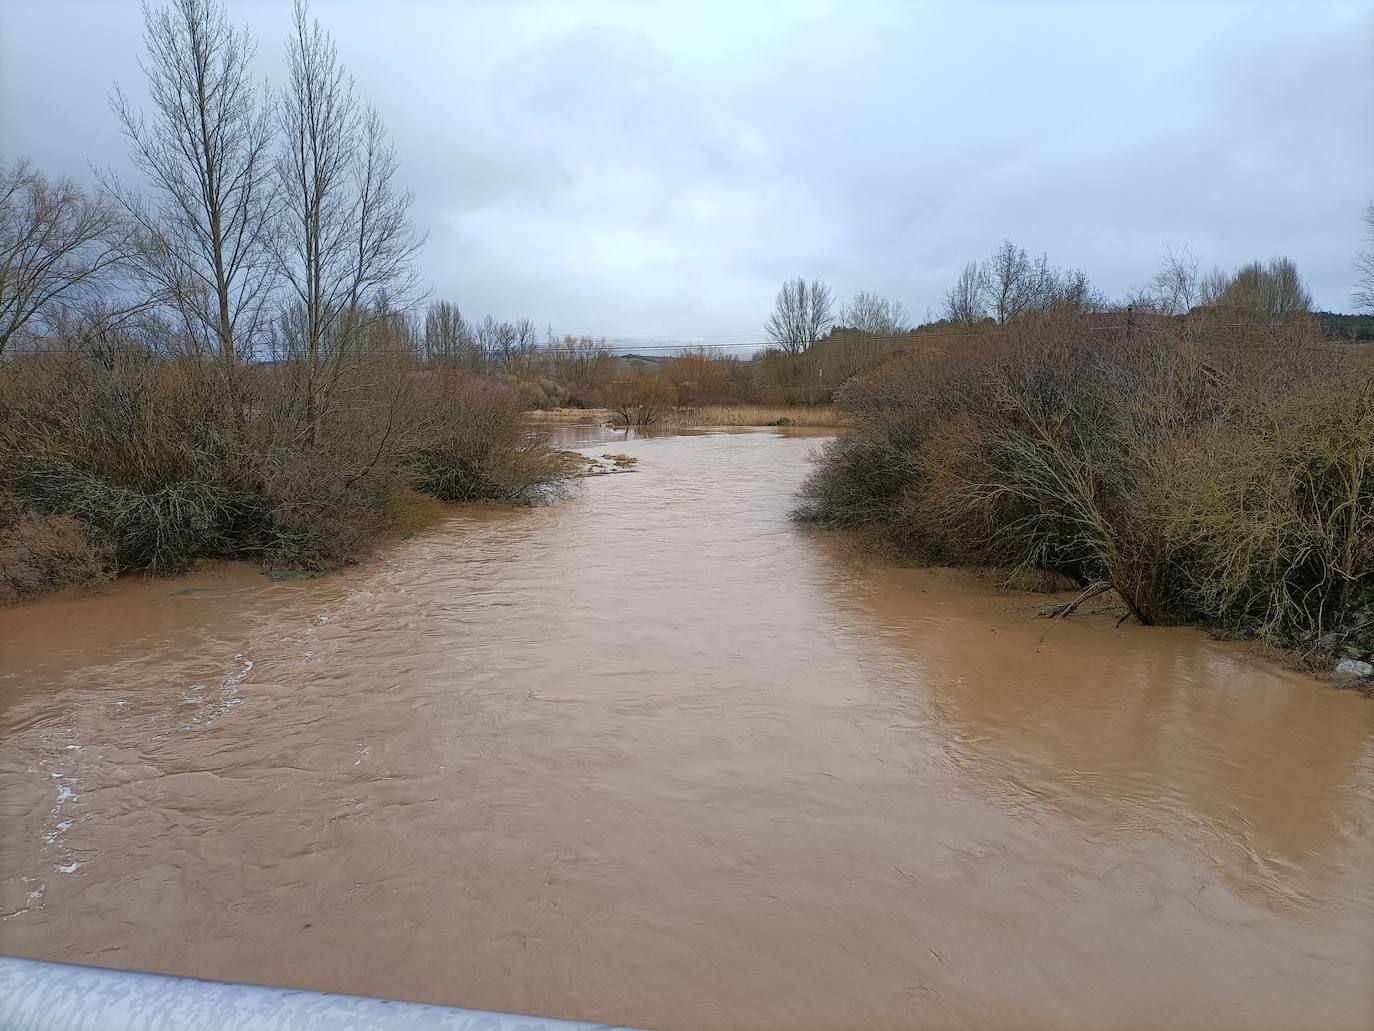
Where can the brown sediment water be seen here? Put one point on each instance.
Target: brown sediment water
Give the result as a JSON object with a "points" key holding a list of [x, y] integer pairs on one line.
{"points": [[656, 756]]}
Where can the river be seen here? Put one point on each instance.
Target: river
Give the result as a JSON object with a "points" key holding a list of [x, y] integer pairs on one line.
{"points": [[654, 755]]}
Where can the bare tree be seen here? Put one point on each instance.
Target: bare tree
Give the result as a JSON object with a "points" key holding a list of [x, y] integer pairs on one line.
{"points": [[58, 248], [385, 243], [345, 237], [1364, 265], [495, 339], [871, 313], [1212, 286], [447, 337], [1175, 287], [491, 338], [1070, 288], [802, 313], [524, 340], [1268, 293], [504, 343], [205, 153], [966, 300], [581, 361], [1017, 283]]}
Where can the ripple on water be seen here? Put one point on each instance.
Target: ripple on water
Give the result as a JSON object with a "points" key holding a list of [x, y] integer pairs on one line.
{"points": [[657, 756]]}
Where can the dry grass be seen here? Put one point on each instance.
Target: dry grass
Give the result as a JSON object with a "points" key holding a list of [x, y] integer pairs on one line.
{"points": [[756, 415], [822, 416], [569, 415]]}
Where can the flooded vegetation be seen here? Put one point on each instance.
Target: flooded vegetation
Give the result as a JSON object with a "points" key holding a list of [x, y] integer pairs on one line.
{"points": [[657, 755], [542, 623], [1215, 467]]}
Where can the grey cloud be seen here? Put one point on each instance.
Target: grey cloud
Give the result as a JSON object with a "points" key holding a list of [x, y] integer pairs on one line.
{"points": [[657, 169]]}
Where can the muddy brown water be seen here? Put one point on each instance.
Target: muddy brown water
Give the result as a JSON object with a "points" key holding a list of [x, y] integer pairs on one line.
{"points": [[655, 756]]}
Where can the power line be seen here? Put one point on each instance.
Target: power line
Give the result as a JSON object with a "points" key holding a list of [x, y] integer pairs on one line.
{"points": [[610, 344]]}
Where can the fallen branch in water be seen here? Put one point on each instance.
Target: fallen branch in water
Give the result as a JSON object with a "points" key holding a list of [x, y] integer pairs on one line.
{"points": [[1057, 612]]}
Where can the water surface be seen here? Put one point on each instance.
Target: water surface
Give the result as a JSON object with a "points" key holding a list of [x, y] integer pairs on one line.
{"points": [[656, 756]]}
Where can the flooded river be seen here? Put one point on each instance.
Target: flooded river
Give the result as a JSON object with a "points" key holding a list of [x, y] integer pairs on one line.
{"points": [[655, 756]]}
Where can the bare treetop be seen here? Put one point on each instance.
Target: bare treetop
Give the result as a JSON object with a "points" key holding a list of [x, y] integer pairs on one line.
{"points": [[1268, 292], [871, 313], [1175, 287], [205, 154], [966, 300], [1364, 266], [344, 244], [59, 248], [801, 315], [1009, 283]]}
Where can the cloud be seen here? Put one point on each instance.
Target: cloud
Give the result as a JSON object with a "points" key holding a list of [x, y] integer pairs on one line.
{"points": [[638, 169]]}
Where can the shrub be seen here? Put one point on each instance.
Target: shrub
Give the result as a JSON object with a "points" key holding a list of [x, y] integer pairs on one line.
{"points": [[538, 394], [41, 553], [638, 397], [700, 376], [478, 448], [115, 457], [133, 446], [316, 519], [1277, 512], [1199, 476]]}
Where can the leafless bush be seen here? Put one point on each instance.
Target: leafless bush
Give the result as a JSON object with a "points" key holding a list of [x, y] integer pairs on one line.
{"points": [[129, 443], [40, 553], [133, 446], [700, 374], [316, 519], [476, 446], [580, 363], [638, 397], [1276, 511], [538, 393], [1196, 479], [876, 315]]}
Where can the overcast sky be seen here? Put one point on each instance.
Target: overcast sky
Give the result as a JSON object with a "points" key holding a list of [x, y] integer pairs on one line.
{"points": [[656, 170]]}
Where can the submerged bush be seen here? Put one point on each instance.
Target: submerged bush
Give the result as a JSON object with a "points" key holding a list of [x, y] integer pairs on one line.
{"points": [[130, 445], [638, 397], [479, 447], [114, 457], [316, 519], [1199, 480], [1276, 510], [40, 553]]}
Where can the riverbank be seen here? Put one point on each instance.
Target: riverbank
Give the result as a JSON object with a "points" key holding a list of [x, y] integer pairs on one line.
{"points": [[1202, 478], [121, 459], [297, 510]]}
